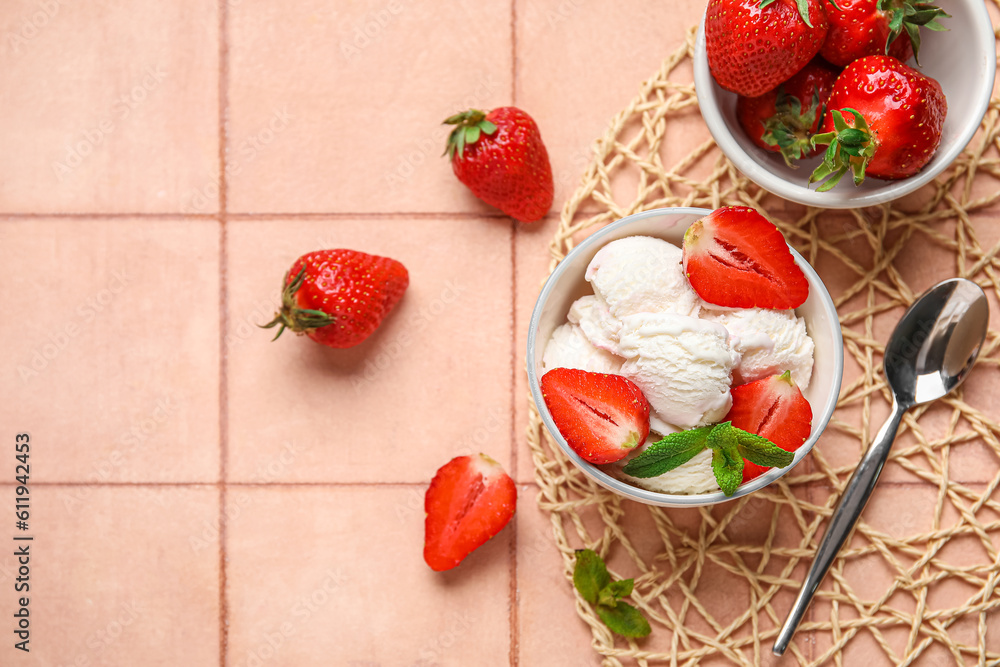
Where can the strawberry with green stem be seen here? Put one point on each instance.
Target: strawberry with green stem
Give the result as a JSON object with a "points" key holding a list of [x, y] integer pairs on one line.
{"points": [[783, 120], [754, 45], [878, 27], [501, 158], [339, 297], [884, 120]]}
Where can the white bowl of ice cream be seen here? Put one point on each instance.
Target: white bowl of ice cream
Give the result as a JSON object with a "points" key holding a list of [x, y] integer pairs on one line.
{"points": [[637, 316]]}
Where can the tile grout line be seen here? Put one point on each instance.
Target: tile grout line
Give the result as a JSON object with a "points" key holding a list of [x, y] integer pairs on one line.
{"points": [[266, 216], [514, 615], [223, 326]]}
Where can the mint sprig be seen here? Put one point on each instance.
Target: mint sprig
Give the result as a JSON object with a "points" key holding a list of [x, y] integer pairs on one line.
{"points": [[729, 445], [591, 578]]}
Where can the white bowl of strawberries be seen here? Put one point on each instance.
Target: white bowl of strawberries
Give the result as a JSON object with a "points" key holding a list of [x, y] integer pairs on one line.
{"points": [[775, 113], [685, 377]]}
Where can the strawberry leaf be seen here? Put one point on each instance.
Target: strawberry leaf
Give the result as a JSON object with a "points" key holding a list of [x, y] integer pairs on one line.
{"points": [[624, 619], [590, 576], [487, 127], [472, 134], [672, 451]]}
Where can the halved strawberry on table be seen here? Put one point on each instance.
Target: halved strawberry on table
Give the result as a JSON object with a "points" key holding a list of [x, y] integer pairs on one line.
{"points": [[470, 499], [884, 119], [773, 408], [753, 45], [860, 28], [735, 258], [602, 417], [783, 120]]}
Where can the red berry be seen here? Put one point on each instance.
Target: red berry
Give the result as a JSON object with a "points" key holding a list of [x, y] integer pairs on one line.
{"points": [[774, 408], [501, 158], [469, 501], [784, 120], [339, 297], [863, 28], [734, 257], [752, 46], [897, 129], [602, 417]]}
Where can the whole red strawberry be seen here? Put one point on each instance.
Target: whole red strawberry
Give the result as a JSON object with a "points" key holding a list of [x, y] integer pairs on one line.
{"points": [[884, 119], [783, 120], [602, 417], [877, 27], [500, 157], [774, 408], [469, 501], [754, 45], [339, 297], [734, 257]]}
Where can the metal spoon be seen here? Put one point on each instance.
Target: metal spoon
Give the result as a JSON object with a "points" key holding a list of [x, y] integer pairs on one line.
{"points": [[930, 352]]}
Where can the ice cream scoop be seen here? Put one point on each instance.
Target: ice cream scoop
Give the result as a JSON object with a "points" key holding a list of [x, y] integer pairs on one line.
{"points": [[682, 364], [570, 348], [769, 342], [642, 274]]}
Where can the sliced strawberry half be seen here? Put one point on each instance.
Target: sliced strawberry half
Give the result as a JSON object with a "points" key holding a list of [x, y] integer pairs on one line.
{"points": [[602, 417], [470, 499], [734, 257], [772, 407]]}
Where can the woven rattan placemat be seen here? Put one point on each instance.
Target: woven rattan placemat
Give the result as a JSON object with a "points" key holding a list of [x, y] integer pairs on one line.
{"points": [[918, 583]]}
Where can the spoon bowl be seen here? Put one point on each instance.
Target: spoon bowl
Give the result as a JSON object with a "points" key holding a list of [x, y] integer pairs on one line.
{"points": [[930, 353], [935, 344]]}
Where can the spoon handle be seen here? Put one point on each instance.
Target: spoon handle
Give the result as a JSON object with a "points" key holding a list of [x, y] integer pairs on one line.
{"points": [[852, 503]]}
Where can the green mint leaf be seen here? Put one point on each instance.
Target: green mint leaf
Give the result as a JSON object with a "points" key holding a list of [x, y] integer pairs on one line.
{"points": [[727, 464], [589, 575], [674, 450], [606, 598], [758, 449], [625, 620], [621, 589], [728, 474]]}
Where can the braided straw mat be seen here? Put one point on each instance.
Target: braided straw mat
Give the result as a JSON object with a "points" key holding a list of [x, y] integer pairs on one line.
{"points": [[918, 584]]}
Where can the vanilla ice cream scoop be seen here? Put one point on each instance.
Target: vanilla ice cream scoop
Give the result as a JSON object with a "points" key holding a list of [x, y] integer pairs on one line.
{"points": [[596, 322], [683, 366], [769, 341], [695, 476], [642, 274], [569, 348]]}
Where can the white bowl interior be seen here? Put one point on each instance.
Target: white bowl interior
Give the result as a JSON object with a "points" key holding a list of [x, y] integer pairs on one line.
{"points": [[567, 283], [962, 60]]}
